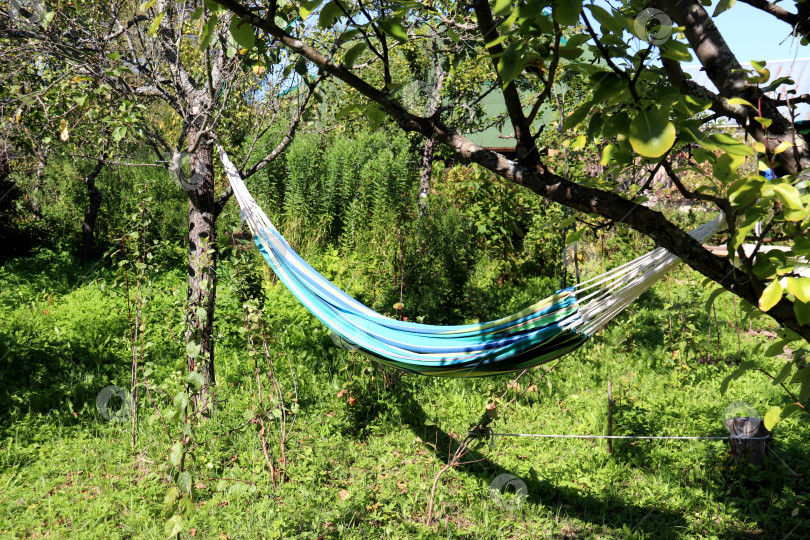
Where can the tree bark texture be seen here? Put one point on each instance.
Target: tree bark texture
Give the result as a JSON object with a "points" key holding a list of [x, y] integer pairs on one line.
{"points": [[430, 144], [202, 276], [726, 73], [427, 171]]}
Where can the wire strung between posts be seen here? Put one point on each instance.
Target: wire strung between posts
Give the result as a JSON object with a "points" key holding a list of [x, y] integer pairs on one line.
{"points": [[491, 436], [550, 436]]}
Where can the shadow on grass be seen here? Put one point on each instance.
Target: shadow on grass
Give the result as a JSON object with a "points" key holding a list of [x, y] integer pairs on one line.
{"points": [[570, 502], [616, 514]]}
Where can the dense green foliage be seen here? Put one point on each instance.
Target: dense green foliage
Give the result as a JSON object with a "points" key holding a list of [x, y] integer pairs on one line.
{"points": [[355, 446], [53, 206], [303, 438], [365, 446]]}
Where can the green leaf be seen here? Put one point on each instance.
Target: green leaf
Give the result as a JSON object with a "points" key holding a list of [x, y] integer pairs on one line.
{"points": [[497, 40], [351, 55], [174, 526], [607, 20], [208, 32], [651, 133], [675, 50], [729, 144], [777, 414], [375, 115], [791, 200], [607, 154], [155, 24], [502, 7], [187, 507], [237, 489], [722, 6], [800, 288], [511, 63], [577, 116], [574, 237], [393, 28], [181, 400], [764, 76], [195, 380], [176, 454], [775, 349], [606, 86], [329, 14], [770, 296], [766, 122], [193, 350], [744, 191], [736, 374], [802, 312], [308, 7], [712, 297], [47, 18], [758, 65], [784, 373], [214, 6], [119, 133], [773, 85], [741, 101], [184, 481], [301, 66], [576, 40], [570, 53], [243, 33], [772, 417], [566, 12], [784, 145], [801, 376], [171, 496], [506, 26], [725, 168]]}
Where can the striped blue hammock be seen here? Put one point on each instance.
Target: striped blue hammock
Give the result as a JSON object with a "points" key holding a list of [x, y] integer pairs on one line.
{"points": [[542, 332]]}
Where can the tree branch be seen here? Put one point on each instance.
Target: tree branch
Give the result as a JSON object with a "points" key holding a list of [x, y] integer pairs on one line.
{"points": [[727, 74], [542, 181], [526, 147], [800, 25]]}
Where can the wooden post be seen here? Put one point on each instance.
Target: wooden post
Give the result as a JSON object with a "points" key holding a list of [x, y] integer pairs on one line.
{"points": [[748, 438], [610, 418]]}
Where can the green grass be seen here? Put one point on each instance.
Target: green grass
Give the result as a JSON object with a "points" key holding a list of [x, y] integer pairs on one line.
{"points": [[365, 470]]}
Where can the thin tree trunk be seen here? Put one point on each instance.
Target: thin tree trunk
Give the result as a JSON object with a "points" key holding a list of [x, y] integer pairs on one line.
{"points": [[90, 216], [202, 276], [427, 170], [5, 167], [37, 183], [430, 143]]}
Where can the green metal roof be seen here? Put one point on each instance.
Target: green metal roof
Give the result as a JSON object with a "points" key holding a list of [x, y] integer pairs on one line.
{"points": [[502, 135]]}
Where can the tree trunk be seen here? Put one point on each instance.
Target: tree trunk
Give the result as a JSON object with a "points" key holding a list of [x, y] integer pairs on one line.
{"points": [[37, 183], [202, 276], [90, 216], [427, 169], [430, 143]]}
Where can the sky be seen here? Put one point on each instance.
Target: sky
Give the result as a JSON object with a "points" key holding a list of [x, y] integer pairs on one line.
{"points": [[753, 35]]}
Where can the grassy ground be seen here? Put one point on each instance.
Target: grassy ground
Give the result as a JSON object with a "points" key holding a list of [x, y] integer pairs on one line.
{"points": [[367, 444]]}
